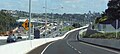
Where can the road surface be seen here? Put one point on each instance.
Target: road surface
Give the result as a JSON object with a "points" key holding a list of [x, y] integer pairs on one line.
{"points": [[70, 45]]}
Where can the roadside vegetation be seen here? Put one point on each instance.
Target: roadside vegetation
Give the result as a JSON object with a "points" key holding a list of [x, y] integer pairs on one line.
{"points": [[111, 35], [67, 28], [7, 22]]}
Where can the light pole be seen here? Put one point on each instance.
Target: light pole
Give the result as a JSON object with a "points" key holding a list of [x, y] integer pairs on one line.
{"points": [[51, 10], [29, 37], [45, 18]]}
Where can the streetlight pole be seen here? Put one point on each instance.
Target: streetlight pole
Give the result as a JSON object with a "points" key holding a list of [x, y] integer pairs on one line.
{"points": [[29, 37], [52, 15], [45, 18]]}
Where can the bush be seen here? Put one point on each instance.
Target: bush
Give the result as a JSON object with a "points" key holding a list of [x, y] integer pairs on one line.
{"points": [[76, 25], [105, 35], [67, 28]]}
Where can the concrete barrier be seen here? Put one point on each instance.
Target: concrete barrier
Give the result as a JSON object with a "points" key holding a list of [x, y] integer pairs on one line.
{"points": [[5, 37], [110, 43], [25, 46]]}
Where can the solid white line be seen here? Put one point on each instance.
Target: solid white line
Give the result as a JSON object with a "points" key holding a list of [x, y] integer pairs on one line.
{"points": [[67, 35], [79, 52], [101, 48], [46, 47]]}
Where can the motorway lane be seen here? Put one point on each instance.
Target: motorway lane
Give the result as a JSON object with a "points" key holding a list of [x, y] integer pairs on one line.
{"points": [[70, 45], [3, 41]]}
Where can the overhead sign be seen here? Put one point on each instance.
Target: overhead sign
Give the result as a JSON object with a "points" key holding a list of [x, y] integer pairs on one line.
{"points": [[26, 25]]}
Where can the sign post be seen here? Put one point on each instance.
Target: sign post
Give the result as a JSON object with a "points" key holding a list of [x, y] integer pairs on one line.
{"points": [[116, 27]]}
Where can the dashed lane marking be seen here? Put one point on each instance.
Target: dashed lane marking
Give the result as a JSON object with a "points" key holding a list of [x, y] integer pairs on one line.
{"points": [[73, 47]]}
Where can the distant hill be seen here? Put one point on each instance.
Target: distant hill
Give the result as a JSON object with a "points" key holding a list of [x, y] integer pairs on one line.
{"points": [[8, 17], [6, 21]]}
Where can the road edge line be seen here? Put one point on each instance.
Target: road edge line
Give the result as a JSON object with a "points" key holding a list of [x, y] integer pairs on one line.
{"points": [[46, 48]]}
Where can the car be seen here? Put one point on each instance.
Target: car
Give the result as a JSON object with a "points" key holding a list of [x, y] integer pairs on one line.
{"points": [[19, 37], [11, 39]]}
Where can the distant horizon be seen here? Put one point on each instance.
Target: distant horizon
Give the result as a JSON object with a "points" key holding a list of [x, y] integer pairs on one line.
{"points": [[52, 12], [69, 6]]}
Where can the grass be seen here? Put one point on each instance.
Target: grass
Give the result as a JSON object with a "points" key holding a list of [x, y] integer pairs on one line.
{"points": [[111, 35], [67, 28]]}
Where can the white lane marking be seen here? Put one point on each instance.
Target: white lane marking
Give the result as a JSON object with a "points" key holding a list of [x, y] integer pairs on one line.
{"points": [[46, 47], [101, 48], [76, 37], [79, 52], [67, 35], [73, 47]]}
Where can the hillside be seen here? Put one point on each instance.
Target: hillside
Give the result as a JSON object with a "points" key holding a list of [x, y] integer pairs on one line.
{"points": [[6, 21]]}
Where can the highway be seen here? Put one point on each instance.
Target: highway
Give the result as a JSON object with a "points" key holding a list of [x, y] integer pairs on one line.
{"points": [[70, 45], [4, 41]]}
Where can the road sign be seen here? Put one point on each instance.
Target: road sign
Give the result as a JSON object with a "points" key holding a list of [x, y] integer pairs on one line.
{"points": [[114, 24], [26, 25]]}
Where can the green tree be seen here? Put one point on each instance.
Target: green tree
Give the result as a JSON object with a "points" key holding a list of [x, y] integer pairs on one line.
{"points": [[113, 11]]}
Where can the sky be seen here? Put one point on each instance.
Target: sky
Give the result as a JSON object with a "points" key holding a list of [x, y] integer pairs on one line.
{"points": [[55, 6]]}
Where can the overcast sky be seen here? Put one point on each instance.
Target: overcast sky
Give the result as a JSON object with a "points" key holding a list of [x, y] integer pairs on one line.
{"points": [[69, 6]]}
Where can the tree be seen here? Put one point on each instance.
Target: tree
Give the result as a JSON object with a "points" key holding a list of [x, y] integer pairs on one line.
{"points": [[113, 11], [6, 21], [110, 14]]}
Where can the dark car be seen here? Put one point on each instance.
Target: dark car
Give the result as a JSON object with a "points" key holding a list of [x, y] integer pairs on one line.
{"points": [[19, 36], [11, 39]]}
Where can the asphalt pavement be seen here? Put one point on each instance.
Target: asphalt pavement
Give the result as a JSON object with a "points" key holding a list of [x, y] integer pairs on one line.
{"points": [[70, 45]]}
